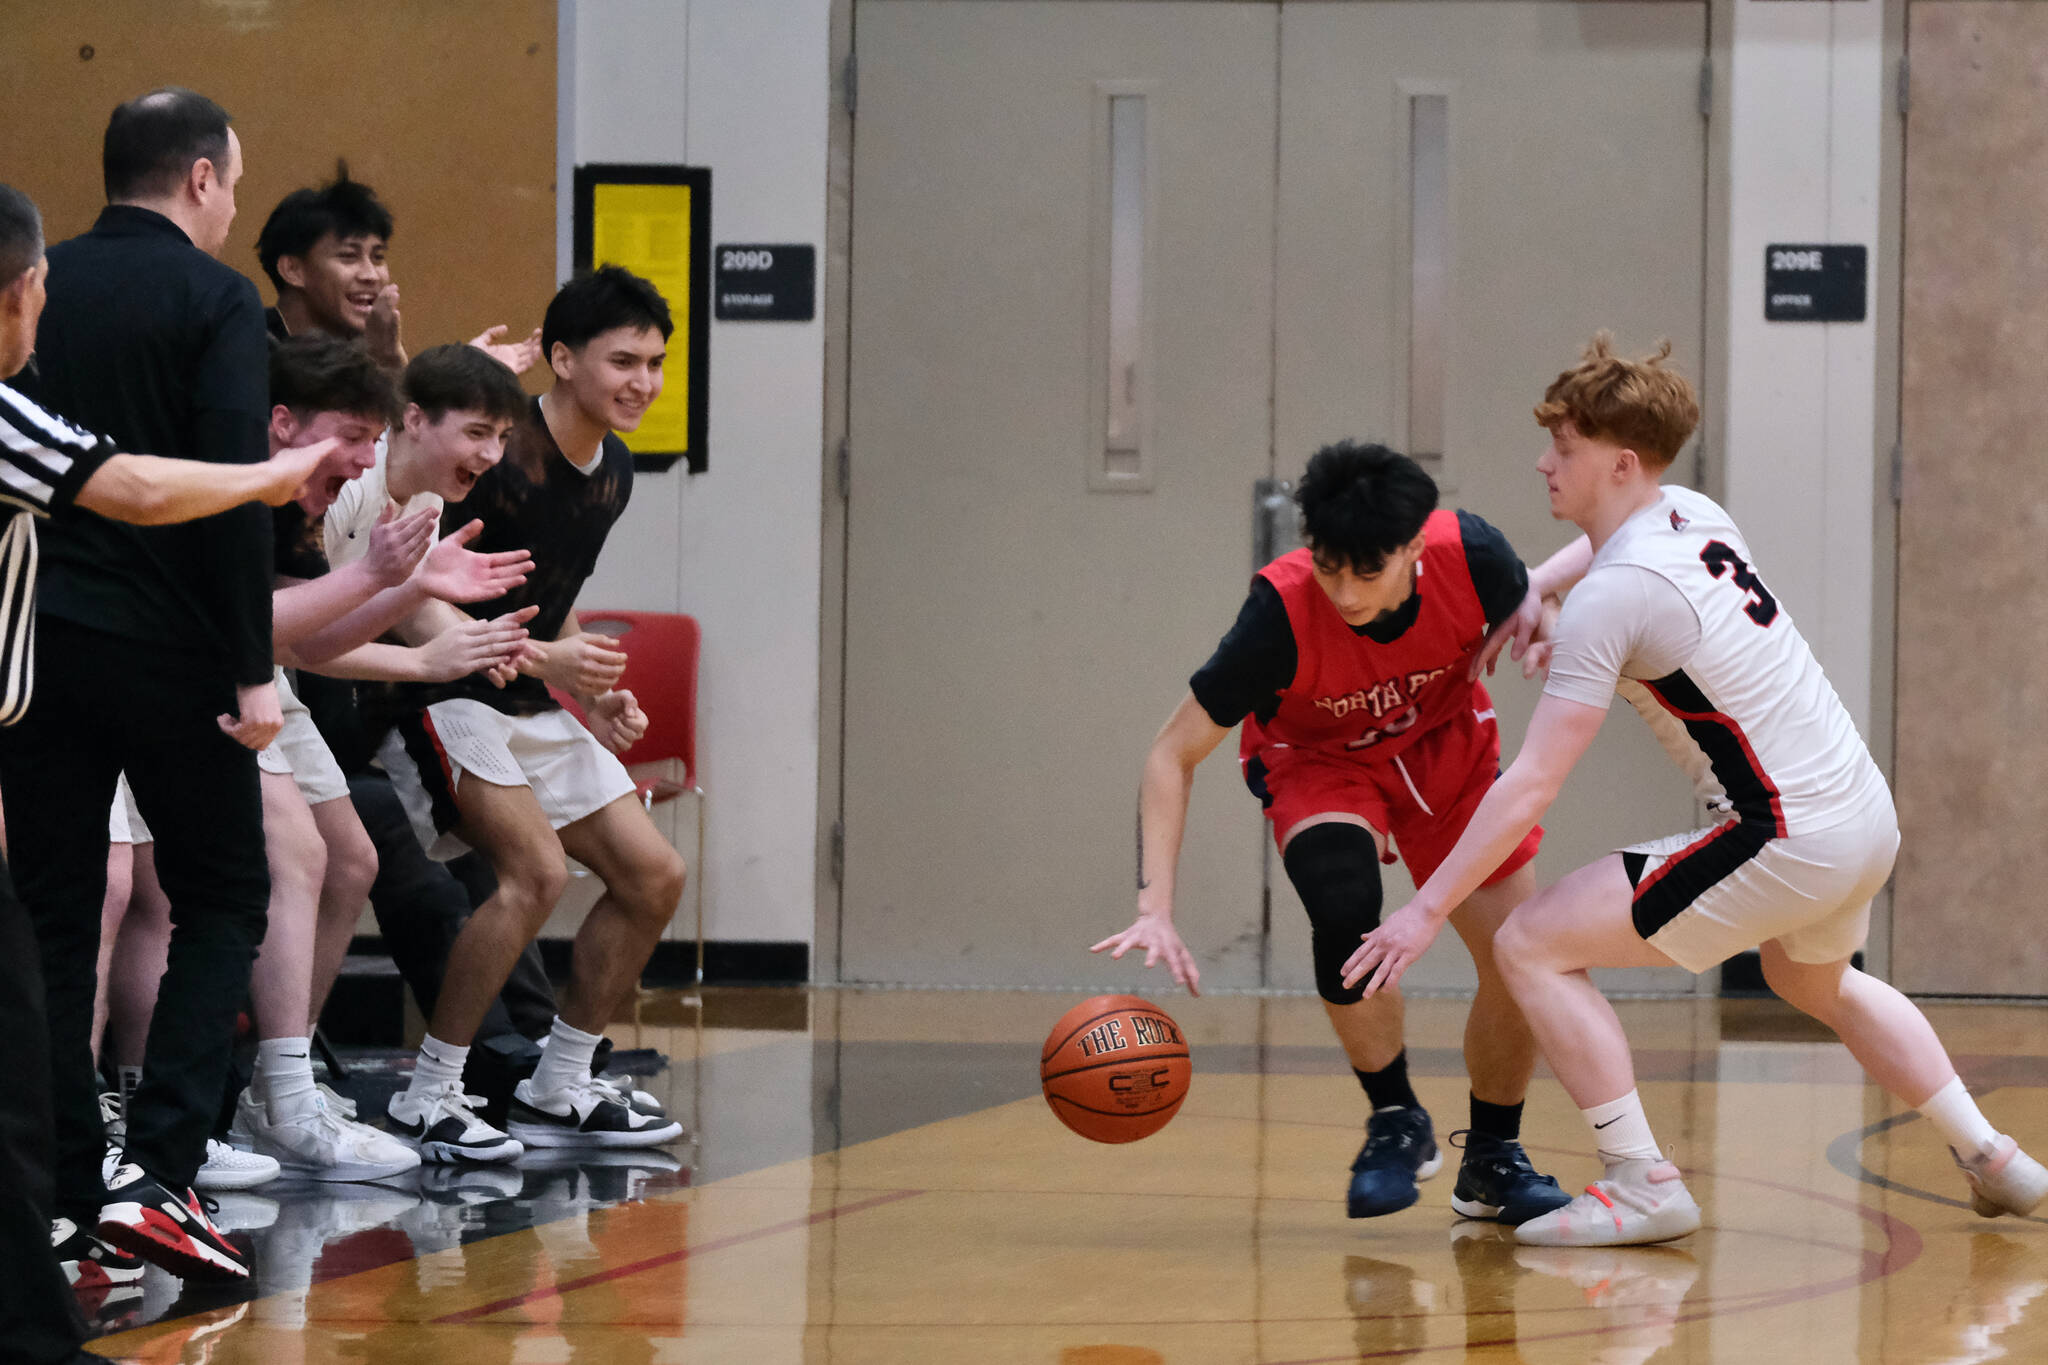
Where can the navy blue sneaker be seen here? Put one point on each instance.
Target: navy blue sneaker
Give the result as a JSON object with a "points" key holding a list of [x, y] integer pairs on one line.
{"points": [[1496, 1181], [1400, 1149]]}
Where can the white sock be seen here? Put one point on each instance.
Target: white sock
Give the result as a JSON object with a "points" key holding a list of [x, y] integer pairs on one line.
{"points": [[1963, 1126], [284, 1074], [565, 1061], [438, 1064], [1622, 1131]]}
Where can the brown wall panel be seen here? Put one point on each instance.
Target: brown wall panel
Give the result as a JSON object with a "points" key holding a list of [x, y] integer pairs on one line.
{"points": [[446, 108], [1972, 712]]}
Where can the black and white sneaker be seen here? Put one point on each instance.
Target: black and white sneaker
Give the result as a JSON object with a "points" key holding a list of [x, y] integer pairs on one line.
{"points": [[145, 1218], [618, 1086], [584, 1114], [92, 1266], [443, 1123]]}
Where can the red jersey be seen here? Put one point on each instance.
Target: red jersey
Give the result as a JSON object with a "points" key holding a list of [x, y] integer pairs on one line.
{"points": [[1354, 697]]}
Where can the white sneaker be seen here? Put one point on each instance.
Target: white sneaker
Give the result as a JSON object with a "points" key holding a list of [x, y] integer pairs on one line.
{"points": [[319, 1144], [2003, 1179], [583, 1114], [442, 1122], [1635, 1202], [227, 1168]]}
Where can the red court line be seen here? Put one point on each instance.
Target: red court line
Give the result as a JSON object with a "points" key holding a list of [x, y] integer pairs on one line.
{"points": [[669, 1258]]}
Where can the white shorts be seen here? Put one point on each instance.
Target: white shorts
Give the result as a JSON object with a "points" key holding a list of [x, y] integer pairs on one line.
{"points": [[429, 752], [1703, 897], [301, 752], [124, 821]]}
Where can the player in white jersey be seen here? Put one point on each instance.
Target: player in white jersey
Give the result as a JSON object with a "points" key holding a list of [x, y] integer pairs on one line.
{"points": [[1669, 610]]}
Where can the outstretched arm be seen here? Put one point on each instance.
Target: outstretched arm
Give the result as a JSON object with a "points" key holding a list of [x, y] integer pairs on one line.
{"points": [[150, 490], [1188, 737], [1559, 733]]}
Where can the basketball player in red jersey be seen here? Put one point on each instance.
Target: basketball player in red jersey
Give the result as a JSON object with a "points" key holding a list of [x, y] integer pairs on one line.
{"points": [[1354, 667], [1669, 611]]}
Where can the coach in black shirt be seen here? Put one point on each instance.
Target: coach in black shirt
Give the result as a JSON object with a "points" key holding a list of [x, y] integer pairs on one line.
{"points": [[153, 644]]}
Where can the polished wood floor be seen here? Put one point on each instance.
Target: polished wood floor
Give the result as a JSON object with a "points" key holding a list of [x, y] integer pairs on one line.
{"points": [[874, 1178]]}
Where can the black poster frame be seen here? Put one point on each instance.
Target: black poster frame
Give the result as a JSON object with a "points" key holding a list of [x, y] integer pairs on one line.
{"points": [[697, 344]]}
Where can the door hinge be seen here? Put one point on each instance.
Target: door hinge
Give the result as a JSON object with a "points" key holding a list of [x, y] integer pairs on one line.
{"points": [[849, 83], [842, 472], [1898, 473], [1706, 87], [1904, 92], [838, 853]]}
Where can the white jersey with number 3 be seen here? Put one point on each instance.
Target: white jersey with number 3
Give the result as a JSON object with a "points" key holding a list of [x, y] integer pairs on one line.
{"points": [[1673, 615]]}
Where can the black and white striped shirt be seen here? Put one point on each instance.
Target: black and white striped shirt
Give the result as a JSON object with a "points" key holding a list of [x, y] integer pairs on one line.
{"points": [[44, 461]]}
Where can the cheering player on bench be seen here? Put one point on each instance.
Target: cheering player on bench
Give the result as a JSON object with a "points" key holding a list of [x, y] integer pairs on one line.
{"points": [[1354, 667], [1671, 613], [505, 769]]}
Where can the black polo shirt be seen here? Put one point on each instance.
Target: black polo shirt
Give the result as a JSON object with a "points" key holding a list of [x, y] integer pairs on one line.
{"points": [[157, 344]]}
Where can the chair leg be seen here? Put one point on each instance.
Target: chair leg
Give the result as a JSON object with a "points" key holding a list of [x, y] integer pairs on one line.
{"points": [[326, 1051], [698, 792]]}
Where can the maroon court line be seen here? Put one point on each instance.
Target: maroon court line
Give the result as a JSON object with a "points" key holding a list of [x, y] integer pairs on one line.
{"points": [[668, 1258]]}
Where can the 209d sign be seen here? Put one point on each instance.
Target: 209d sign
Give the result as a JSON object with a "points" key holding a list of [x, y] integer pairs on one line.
{"points": [[765, 283], [1815, 283]]}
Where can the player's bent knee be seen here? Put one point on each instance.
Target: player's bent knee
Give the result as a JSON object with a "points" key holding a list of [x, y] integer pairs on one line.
{"points": [[1335, 869], [653, 890]]}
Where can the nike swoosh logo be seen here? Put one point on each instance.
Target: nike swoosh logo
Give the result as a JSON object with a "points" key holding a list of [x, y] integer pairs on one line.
{"points": [[1598, 1126]]}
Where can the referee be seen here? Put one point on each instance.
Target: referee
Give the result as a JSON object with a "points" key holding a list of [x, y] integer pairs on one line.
{"points": [[46, 467]]}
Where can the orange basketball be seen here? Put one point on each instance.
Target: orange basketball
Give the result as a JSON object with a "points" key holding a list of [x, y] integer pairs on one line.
{"points": [[1115, 1068]]}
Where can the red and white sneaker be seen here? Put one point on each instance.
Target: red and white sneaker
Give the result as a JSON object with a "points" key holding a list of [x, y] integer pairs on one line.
{"points": [[145, 1218], [89, 1264]]}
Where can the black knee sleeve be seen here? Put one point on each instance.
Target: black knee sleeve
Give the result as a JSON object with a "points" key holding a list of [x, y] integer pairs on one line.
{"points": [[1335, 869]]}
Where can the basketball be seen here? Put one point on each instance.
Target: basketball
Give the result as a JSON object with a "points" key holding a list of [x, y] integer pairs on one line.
{"points": [[1115, 1068]]}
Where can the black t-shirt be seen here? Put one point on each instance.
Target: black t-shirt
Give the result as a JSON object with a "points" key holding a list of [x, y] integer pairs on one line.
{"points": [[536, 500], [1256, 659], [299, 550]]}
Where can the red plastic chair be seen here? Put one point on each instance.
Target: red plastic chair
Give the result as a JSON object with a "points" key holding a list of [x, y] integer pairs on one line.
{"points": [[661, 651]]}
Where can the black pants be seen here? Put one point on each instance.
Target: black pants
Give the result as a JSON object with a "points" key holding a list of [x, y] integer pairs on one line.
{"points": [[421, 905], [38, 1315], [104, 705]]}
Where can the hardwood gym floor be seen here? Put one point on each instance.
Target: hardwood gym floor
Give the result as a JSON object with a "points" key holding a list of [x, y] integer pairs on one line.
{"points": [[874, 1178]]}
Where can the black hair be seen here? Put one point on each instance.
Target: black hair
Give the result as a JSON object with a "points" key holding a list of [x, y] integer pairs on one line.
{"points": [[316, 373], [1360, 503], [153, 139], [457, 377], [21, 234], [347, 208], [599, 300]]}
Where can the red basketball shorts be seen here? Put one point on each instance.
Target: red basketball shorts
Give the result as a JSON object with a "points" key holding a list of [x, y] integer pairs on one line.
{"points": [[1419, 801]]}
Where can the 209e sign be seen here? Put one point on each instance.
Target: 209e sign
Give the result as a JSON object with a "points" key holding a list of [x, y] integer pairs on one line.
{"points": [[1815, 283], [772, 283]]}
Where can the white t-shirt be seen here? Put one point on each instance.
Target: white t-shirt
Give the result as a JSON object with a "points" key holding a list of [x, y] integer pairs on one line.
{"points": [[1624, 621], [1673, 611], [346, 531]]}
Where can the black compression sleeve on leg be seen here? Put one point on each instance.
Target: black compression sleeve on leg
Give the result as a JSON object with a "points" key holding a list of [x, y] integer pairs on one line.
{"points": [[1335, 869]]}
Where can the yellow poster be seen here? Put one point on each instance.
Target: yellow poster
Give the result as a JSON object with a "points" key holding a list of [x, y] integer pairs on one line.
{"points": [[646, 229]]}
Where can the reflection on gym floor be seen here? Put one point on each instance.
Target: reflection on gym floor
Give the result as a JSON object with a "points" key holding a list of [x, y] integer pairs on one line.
{"points": [[872, 1177]]}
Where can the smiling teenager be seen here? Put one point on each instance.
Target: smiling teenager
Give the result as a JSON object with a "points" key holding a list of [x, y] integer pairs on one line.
{"points": [[327, 253], [506, 770]]}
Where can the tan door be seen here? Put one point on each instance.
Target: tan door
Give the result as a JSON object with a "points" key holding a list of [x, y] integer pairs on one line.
{"points": [[1467, 192], [1973, 620], [1026, 594]]}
